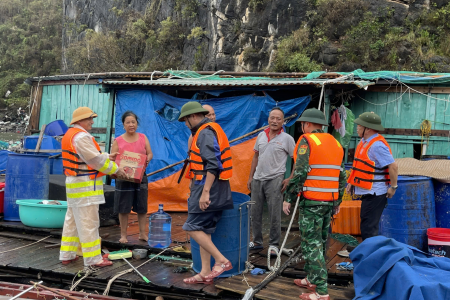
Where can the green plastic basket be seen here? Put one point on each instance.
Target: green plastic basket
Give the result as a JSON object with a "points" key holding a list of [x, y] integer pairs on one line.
{"points": [[41, 215]]}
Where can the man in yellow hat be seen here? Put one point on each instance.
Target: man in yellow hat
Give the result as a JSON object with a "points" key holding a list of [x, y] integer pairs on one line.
{"points": [[84, 164]]}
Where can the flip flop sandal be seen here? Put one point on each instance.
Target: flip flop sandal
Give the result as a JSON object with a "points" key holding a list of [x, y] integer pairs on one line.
{"points": [[225, 267], [66, 262], [308, 285], [193, 280], [103, 263], [254, 246], [306, 296]]}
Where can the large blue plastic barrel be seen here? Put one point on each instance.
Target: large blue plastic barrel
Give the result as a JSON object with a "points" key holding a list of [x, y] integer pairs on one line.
{"points": [[231, 237], [442, 200], [27, 177], [410, 212]]}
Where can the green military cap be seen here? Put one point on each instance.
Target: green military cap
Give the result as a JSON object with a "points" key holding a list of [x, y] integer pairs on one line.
{"points": [[313, 115], [370, 120], [190, 108]]}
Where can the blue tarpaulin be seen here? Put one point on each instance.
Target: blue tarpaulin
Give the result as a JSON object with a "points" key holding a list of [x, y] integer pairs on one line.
{"points": [[387, 269], [168, 138]]}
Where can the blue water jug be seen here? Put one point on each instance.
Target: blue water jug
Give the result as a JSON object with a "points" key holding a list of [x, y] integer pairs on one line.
{"points": [[159, 229]]}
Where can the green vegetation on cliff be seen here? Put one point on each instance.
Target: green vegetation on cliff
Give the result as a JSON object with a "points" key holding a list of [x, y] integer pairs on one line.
{"points": [[30, 43]]}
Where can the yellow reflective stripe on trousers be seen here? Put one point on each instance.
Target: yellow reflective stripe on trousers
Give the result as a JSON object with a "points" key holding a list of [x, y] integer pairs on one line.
{"points": [[91, 244], [70, 239], [85, 194], [69, 248], [84, 184], [92, 253], [105, 166], [316, 139]]}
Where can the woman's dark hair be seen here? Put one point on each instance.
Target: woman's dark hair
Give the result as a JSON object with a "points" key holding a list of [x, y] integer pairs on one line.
{"points": [[129, 113]]}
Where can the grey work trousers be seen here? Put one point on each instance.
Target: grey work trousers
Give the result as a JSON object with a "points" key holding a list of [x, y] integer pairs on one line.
{"points": [[267, 191]]}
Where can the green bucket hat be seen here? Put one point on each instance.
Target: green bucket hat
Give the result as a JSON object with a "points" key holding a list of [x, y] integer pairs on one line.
{"points": [[370, 120], [313, 115], [191, 108]]}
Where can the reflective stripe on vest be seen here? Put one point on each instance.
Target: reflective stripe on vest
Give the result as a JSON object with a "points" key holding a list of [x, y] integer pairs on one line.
{"points": [[325, 167], [363, 171], [195, 168], [325, 159], [322, 178], [313, 189]]}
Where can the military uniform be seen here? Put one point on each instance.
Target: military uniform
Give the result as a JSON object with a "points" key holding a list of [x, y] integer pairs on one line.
{"points": [[314, 217]]}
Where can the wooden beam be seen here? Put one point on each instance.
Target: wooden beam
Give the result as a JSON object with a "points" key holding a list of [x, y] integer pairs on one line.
{"points": [[414, 132], [36, 100], [109, 122], [401, 89]]}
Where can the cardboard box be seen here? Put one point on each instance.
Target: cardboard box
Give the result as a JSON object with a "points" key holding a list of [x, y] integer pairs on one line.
{"points": [[133, 164]]}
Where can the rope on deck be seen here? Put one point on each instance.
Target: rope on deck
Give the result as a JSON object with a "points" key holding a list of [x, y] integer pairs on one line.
{"points": [[25, 245]]}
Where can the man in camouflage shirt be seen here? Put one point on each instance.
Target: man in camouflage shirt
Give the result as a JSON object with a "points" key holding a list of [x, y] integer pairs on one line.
{"points": [[315, 215]]}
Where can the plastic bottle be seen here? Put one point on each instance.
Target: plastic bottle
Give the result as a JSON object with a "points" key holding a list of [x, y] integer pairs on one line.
{"points": [[159, 229]]}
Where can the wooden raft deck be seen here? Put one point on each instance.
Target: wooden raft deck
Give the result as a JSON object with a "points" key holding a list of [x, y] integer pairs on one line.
{"points": [[37, 259]]}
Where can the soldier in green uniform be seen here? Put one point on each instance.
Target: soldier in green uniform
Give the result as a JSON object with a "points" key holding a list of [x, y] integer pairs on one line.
{"points": [[320, 177]]}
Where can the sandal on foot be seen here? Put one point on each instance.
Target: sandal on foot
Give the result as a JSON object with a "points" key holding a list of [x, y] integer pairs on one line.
{"points": [[66, 262], [254, 246], [103, 263], [193, 280], [225, 267], [308, 285], [314, 296]]}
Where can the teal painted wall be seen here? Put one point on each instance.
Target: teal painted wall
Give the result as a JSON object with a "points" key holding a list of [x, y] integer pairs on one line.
{"points": [[59, 101], [407, 112]]}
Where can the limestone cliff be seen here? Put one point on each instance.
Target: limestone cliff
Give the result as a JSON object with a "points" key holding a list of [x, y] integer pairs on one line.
{"points": [[240, 35]]}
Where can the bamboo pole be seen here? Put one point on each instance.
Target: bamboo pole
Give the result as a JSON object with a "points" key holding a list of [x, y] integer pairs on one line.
{"points": [[232, 141], [54, 291]]}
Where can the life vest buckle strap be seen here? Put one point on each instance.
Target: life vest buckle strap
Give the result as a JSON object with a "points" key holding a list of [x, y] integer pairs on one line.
{"points": [[71, 153], [225, 159], [75, 162], [225, 150], [369, 165], [372, 180], [371, 173], [192, 151]]}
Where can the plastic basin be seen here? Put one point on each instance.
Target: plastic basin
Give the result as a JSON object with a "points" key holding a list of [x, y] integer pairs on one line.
{"points": [[42, 215]]}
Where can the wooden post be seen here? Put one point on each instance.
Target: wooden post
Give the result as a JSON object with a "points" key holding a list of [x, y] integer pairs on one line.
{"points": [[110, 119], [35, 104], [41, 136]]}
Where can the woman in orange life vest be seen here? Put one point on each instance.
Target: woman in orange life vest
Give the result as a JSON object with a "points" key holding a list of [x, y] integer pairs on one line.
{"points": [[130, 195], [210, 167], [84, 165]]}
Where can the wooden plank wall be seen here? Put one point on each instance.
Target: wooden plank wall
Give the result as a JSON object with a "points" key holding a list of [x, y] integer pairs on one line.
{"points": [[407, 112], [59, 101]]}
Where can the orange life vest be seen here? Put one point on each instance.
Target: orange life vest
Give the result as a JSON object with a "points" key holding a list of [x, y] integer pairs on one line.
{"points": [[364, 170], [195, 168], [325, 160], [71, 160]]}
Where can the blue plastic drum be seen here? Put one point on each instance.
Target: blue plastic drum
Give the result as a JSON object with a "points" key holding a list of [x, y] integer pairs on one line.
{"points": [[27, 177], [231, 237], [410, 212]]}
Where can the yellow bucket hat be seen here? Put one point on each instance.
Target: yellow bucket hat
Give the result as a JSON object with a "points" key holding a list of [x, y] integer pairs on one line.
{"points": [[82, 113]]}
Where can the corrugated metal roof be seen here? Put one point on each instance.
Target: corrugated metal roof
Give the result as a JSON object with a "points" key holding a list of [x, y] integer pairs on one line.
{"points": [[235, 82]]}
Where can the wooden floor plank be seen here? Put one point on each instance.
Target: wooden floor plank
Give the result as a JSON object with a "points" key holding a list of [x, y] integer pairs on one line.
{"points": [[24, 254]]}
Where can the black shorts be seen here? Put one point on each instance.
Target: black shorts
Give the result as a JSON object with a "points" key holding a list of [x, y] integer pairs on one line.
{"points": [[205, 221], [131, 196]]}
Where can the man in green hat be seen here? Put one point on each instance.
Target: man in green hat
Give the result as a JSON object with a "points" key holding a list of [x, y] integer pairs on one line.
{"points": [[374, 172], [319, 180], [210, 168]]}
